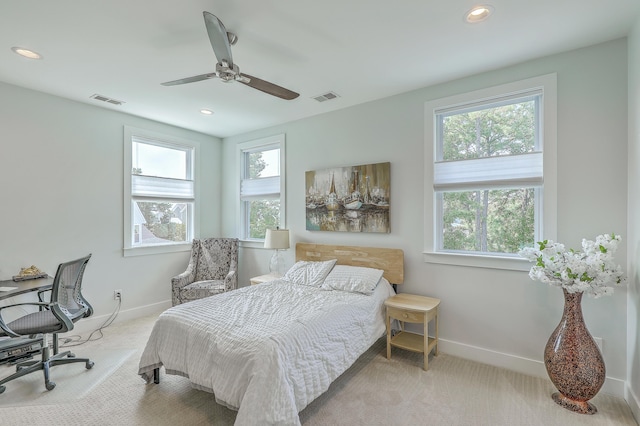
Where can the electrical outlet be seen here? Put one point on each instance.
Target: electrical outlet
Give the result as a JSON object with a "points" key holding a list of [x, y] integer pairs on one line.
{"points": [[599, 342], [117, 294]]}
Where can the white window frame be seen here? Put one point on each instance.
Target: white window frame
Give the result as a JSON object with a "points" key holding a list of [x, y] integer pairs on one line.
{"points": [[131, 133], [263, 144], [546, 227]]}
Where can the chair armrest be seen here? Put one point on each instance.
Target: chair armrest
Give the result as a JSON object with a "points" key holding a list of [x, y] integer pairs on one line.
{"points": [[41, 297], [3, 324], [183, 279], [189, 275], [231, 280], [41, 292]]}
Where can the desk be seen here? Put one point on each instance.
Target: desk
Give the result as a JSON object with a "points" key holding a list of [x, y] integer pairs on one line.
{"points": [[27, 286]]}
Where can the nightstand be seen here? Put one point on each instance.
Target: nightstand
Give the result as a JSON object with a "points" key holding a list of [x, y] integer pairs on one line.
{"points": [[264, 278], [413, 309]]}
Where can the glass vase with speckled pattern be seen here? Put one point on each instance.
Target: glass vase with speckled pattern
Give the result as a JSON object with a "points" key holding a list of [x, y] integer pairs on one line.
{"points": [[573, 360]]}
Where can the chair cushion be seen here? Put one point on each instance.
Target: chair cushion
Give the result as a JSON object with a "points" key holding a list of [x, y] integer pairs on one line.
{"points": [[200, 289], [35, 323]]}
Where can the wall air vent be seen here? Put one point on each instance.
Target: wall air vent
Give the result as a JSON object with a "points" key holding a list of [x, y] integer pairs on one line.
{"points": [[106, 99], [326, 96]]}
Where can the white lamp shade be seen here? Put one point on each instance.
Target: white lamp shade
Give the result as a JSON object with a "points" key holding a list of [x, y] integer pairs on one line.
{"points": [[277, 239]]}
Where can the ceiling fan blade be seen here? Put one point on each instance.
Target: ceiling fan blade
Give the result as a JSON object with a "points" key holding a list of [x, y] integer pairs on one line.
{"points": [[218, 38], [190, 79], [270, 88]]}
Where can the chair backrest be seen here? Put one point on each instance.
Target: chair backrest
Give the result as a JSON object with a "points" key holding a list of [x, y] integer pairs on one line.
{"points": [[216, 257], [66, 293]]}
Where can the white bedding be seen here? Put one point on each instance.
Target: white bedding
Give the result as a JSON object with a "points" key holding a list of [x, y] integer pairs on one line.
{"points": [[266, 350]]}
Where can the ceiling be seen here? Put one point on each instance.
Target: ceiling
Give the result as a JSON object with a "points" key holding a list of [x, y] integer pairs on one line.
{"points": [[360, 49]]}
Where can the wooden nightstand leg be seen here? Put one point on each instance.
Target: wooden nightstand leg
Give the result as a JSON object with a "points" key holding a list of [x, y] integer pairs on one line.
{"points": [[435, 353], [426, 343], [388, 337]]}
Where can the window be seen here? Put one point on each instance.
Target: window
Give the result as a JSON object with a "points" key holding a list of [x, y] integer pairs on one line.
{"points": [[262, 192], [160, 193], [490, 173]]}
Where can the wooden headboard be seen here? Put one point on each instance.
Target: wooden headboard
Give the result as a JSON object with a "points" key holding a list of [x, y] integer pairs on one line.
{"points": [[391, 261]]}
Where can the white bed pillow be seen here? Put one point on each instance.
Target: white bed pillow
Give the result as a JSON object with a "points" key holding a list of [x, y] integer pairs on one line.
{"points": [[356, 279], [309, 273]]}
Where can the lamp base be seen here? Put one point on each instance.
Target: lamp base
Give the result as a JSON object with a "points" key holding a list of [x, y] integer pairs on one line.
{"points": [[276, 266]]}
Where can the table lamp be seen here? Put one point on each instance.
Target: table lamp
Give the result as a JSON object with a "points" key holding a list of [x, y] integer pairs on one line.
{"points": [[277, 239]]}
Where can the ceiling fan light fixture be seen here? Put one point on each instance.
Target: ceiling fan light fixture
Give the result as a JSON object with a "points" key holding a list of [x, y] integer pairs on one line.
{"points": [[478, 13], [26, 53], [205, 111]]}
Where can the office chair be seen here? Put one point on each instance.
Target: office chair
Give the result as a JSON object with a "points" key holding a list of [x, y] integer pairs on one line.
{"points": [[67, 305]]}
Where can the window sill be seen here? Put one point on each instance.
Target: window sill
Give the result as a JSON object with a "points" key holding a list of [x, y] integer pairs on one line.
{"points": [[478, 261], [159, 249], [252, 243]]}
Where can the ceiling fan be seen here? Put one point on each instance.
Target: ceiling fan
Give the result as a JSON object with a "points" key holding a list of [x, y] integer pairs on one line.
{"points": [[221, 41]]}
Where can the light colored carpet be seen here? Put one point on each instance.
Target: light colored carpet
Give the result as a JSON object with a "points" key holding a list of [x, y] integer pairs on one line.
{"points": [[375, 391], [73, 381]]}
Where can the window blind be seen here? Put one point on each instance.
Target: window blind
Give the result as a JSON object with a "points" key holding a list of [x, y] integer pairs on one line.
{"points": [[251, 189], [153, 186], [525, 170]]}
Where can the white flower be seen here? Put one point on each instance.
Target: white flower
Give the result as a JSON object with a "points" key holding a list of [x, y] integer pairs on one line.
{"points": [[590, 271]]}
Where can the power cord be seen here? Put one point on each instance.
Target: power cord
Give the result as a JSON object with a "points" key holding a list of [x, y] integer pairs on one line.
{"points": [[76, 340]]}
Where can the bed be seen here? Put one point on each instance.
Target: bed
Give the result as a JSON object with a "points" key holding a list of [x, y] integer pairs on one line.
{"points": [[269, 350]]}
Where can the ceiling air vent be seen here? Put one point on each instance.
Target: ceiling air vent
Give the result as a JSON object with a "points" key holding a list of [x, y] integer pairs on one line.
{"points": [[106, 99], [326, 97]]}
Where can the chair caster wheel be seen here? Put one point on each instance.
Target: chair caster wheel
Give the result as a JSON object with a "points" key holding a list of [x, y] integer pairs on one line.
{"points": [[71, 355], [2, 389], [89, 365], [50, 385]]}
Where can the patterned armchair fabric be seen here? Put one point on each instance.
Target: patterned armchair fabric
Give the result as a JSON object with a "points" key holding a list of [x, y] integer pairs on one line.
{"points": [[212, 269]]}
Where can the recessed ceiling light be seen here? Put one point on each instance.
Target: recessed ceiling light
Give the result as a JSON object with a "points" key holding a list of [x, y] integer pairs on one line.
{"points": [[478, 13], [206, 111], [26, 53]]}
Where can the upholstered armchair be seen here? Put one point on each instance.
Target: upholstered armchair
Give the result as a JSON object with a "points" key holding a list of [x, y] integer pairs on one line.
{"points": [[212, 269]]}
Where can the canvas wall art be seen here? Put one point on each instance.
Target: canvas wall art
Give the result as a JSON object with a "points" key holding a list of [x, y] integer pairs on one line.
{"points": [[349, 199]]}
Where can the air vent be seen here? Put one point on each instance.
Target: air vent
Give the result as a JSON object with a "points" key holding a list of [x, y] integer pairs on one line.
{"points": [[326, 96], [106, 99]]}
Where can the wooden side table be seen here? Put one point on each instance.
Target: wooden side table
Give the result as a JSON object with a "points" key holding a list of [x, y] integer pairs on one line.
{"points": [[413, 309], [264, 278]]}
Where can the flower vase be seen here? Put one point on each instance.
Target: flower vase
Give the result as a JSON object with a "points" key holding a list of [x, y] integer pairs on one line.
{"points": [[573, 360]]}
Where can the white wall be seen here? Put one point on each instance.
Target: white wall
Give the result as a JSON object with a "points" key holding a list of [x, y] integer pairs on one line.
{"points": [[61, 180], [494, 316], [633, 302]]}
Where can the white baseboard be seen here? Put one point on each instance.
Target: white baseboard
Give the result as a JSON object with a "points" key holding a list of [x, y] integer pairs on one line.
{"points": [[527, 366], [87, 325], [633, 401]]}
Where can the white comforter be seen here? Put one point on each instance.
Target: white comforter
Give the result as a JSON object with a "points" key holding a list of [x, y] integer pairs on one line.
{"points": [[266, 350]]}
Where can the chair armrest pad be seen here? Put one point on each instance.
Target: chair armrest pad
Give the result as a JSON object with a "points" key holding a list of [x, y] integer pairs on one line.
{"points": [[183, 279], [44, 304]]}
